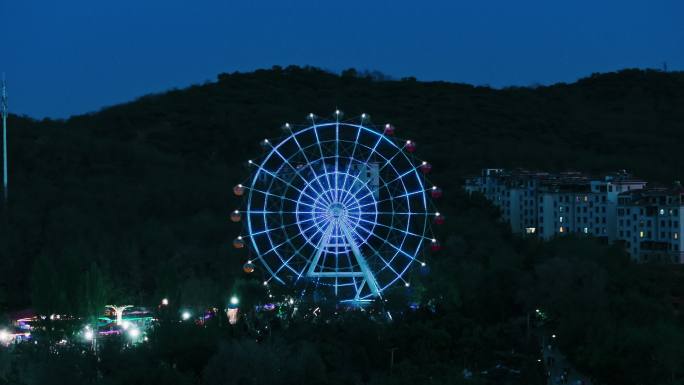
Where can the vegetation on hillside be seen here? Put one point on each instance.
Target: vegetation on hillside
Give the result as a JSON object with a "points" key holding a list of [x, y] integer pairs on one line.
{"points": [[131, 204]]}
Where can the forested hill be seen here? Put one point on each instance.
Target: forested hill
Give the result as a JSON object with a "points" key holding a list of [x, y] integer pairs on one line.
{"points": [[632, 119], [130, 205], [144, 187]]}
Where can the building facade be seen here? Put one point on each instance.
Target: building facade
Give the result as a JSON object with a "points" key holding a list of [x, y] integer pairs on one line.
{"points": [[650, 223], [614, 208]]}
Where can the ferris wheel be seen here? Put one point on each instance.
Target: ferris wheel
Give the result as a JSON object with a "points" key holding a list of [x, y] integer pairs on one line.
{"points": [[340, 204]]}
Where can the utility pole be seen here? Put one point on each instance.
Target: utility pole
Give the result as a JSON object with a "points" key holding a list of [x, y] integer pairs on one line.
{"points": [[3, 106], [392, 360]]}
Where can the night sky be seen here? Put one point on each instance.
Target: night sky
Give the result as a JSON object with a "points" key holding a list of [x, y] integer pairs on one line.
{"points": [[70, 57]]}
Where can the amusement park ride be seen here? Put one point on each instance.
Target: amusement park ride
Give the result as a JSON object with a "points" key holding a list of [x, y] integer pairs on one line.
{"points": [[337, 204]]}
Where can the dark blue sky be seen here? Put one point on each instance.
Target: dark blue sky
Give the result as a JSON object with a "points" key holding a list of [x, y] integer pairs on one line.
{"points": [[75, 56]]}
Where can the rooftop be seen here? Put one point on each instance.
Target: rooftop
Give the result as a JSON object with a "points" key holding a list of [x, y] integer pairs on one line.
{"points": [[656, 195], [564, 179]]}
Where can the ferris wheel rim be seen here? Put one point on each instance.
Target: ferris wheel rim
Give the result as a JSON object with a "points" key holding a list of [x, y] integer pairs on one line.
{"points": [[405, 231]]}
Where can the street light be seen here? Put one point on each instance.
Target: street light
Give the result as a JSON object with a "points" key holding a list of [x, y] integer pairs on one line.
{"points": [[89, 335], [185, 316], [234, 300], [134, 333], [165, 302]]}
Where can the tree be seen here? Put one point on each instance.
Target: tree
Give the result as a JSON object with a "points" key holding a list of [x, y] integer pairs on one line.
{"points": [[246, 362], [97, 291], [45, 295]]}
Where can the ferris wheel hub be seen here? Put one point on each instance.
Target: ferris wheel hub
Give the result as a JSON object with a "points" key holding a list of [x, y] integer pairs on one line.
{"points": [[337, 210]]}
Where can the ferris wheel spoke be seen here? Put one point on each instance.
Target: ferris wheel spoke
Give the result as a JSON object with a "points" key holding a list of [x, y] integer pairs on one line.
{"points": [[281, 227], [295, 254], [321, 195], [387, 161], [283, 212], [399, 177], [337, 159], [279, 196], [368, 158], [270, 271], [388, 264], [309, 164], [351, 200], [351, 157], [266, 193], [325, 169], [406, 195], [274, 248], [294, 169], [288, 184], [324, 193], [378, 254], [395, 229]]}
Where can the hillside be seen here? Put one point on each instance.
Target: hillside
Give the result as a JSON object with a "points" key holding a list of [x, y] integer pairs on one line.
{"points": [[130, 204], [152, 177], [602, 122]]}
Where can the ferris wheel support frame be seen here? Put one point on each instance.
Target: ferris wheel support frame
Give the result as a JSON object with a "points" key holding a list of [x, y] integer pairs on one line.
{"points": [[365, 273]]}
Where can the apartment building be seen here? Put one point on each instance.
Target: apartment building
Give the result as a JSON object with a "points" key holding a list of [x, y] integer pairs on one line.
{"points": [[615, 208], [650, 223]]}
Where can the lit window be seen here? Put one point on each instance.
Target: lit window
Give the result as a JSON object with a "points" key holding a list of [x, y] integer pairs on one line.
{"points": [[530, 230], [560, 230], [641, 234], [586, 230], [560, 219], [676, 235], [662, 211]]}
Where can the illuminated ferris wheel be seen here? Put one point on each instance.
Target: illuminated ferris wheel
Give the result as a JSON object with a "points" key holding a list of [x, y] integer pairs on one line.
{"points": [[337, 203]]}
